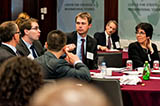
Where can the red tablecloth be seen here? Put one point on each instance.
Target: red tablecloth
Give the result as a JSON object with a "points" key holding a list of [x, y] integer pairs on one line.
{"points": [[146, 93]]}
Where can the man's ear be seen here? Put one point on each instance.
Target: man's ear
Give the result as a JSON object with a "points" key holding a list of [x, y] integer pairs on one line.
{"points": [[90, 25], [46, 45], [26, 31]]}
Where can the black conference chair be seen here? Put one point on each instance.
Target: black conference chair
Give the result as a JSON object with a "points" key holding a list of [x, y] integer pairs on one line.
{"points": [[112, 59], [111, 88]]}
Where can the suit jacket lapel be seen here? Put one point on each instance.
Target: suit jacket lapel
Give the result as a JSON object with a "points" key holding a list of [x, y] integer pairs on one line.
{"points": [[104, 38], [24, 47], [75, 41], [8, 49], [36, 48]]}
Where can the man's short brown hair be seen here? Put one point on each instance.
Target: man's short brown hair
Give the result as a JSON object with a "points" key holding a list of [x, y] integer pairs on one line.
{"points": [[84, 15], [7, 30], [26, 24], [56, 40]]}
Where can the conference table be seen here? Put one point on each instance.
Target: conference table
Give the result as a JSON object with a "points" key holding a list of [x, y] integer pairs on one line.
{"points": [[145, 93]]}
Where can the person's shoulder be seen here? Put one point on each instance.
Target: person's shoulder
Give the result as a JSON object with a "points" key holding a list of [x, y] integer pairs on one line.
{"points": [[99, 33], [70, 33], [21, 44], [91, 38], [4, 55], [133, 45], [45, 58], [4, 52], [154, 45], [37, 42], [91, 41]]}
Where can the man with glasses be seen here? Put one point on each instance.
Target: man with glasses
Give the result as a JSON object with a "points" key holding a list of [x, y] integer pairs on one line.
{"points": [[9, 35], [108, 39], [29, 44]]}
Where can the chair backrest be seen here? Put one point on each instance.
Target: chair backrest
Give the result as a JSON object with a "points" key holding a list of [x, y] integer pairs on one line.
{"points": [[111, 88], [112, 59]]}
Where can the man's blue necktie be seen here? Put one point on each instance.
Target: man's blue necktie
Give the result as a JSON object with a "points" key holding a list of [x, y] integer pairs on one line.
{"points": [[33, 51]]}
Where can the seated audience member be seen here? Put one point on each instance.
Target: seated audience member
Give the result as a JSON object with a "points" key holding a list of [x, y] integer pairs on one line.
{"points": [[69, 93], [143, 49], [19, 78], [9, 35], [54, 67], [86, 46], [108, 39], [29, 44], [21, 17]]}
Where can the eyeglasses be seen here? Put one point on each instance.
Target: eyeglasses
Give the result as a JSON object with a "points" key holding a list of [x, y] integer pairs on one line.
{"points": [[35, 28], [18, 33], [140, 33]]}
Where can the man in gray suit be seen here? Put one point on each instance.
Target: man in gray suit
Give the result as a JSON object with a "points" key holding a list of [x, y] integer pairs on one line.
{"points": [[54, 67], [9, 35], [29, 44]]}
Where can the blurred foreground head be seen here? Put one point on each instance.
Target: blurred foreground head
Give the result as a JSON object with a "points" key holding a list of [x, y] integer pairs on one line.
{"points": [[69, 93], [20, 77]]}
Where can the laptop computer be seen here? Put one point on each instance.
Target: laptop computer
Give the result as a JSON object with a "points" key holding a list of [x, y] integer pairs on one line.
{"points": [[112, 59]]}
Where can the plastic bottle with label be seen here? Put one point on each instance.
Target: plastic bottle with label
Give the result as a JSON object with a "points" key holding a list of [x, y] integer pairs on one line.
{"points": [[146, 71], [103, 69]]}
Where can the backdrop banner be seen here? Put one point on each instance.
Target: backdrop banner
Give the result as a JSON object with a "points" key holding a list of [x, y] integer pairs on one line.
{"points": [[68, 9], [132, 12]]}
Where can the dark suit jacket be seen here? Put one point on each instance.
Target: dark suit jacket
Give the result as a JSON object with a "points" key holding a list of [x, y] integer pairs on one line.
{"points": [[101, 39], [8, 49], [138, 55], [23, 50], [91, 47], [5, 53], [59, 68]]}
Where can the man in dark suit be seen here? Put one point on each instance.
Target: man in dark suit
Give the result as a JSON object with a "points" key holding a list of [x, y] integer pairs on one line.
{"points": [[108, 39], [9, 35], [86, 51], [56, 68], [29, 44]]}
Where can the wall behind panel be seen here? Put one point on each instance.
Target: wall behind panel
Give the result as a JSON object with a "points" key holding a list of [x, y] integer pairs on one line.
{"points": [[5, 10], [32, 7]]}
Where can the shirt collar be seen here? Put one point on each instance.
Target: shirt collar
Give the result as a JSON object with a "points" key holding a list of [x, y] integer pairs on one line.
{"points": [[106, 34], [80, 37], [26, 43], [10, 46]]}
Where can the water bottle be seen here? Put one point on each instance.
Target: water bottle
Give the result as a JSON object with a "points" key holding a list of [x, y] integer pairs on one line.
{"points": [[103, 69]]}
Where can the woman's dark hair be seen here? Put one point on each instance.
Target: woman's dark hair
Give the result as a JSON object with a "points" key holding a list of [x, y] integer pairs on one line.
{"points": [[146, 27]]}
